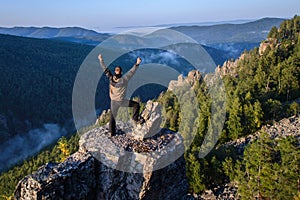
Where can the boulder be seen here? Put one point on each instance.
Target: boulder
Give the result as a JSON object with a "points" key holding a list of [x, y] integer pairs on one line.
{"points": [[153, 119]]}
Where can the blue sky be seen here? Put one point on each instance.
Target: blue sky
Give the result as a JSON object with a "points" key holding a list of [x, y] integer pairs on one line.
{"points": [[112, 13]]}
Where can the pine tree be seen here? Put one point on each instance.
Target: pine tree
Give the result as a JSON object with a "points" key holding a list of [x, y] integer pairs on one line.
{"points": [[254, 169], [294, 108], [258, 114], [234, 121], [270, 169], [274, 108], [273, 32], [289, 168], [228, 167], [289, 79], [194, 172]]}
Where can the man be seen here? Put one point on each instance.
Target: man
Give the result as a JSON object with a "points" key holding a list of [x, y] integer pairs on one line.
{"points": [[117, 91]]}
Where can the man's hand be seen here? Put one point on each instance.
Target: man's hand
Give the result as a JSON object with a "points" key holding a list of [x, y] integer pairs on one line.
{"points": [[100, 57], [138, 60]]}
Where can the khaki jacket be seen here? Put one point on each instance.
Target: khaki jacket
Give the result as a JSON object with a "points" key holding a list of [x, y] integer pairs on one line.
{"points": [[118, 86]]}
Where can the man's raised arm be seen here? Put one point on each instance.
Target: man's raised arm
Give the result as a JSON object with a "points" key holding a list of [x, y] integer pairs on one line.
{"points": [[105, 69], [130, 73]]}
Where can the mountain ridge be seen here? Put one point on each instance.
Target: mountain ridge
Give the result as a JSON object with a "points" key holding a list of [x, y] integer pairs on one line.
{"points": [[69, 34], [204, 33], [53, 32], [47, 32], [231, 38]]}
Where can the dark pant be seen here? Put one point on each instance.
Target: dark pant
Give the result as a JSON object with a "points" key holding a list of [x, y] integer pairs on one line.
{"points": [[114, 107]]}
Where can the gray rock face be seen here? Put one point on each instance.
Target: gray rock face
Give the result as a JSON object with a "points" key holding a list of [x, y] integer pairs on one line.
{"points": [[120, 167], [72, 179], [192, 78], [228, 192], [285, 127], [152, 115]]}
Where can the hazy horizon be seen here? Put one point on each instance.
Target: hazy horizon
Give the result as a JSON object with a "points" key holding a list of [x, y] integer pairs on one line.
{"points": [[109, 15], [117, 29]]}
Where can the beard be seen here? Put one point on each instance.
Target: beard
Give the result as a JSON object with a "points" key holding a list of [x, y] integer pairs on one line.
{"points": [[118, 75]]}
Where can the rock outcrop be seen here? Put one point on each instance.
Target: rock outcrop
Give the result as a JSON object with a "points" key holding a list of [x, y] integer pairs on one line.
{"points": [[153, 119], [72, 179], [285, 127], [230, 67], [119, 167], [228, 192], [192, 78], [268, 43]]}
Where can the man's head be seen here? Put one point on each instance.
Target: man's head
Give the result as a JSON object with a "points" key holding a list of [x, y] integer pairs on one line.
{"points": [[118, 72]]}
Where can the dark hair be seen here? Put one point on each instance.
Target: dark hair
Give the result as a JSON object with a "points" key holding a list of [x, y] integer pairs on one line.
{"points": [[119, 68]]}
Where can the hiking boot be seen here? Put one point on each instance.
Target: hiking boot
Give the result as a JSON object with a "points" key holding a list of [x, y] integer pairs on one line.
{"points": [[139, 122], [112, 134]]}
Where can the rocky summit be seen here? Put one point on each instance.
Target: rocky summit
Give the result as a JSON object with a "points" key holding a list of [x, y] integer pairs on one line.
{"points": [[125, 166]]}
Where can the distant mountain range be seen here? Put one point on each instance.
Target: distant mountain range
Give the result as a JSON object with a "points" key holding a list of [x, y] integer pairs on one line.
{"points": [[253, 32], [207, 23], [49, 32], [230, 38], [72, 34]]}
